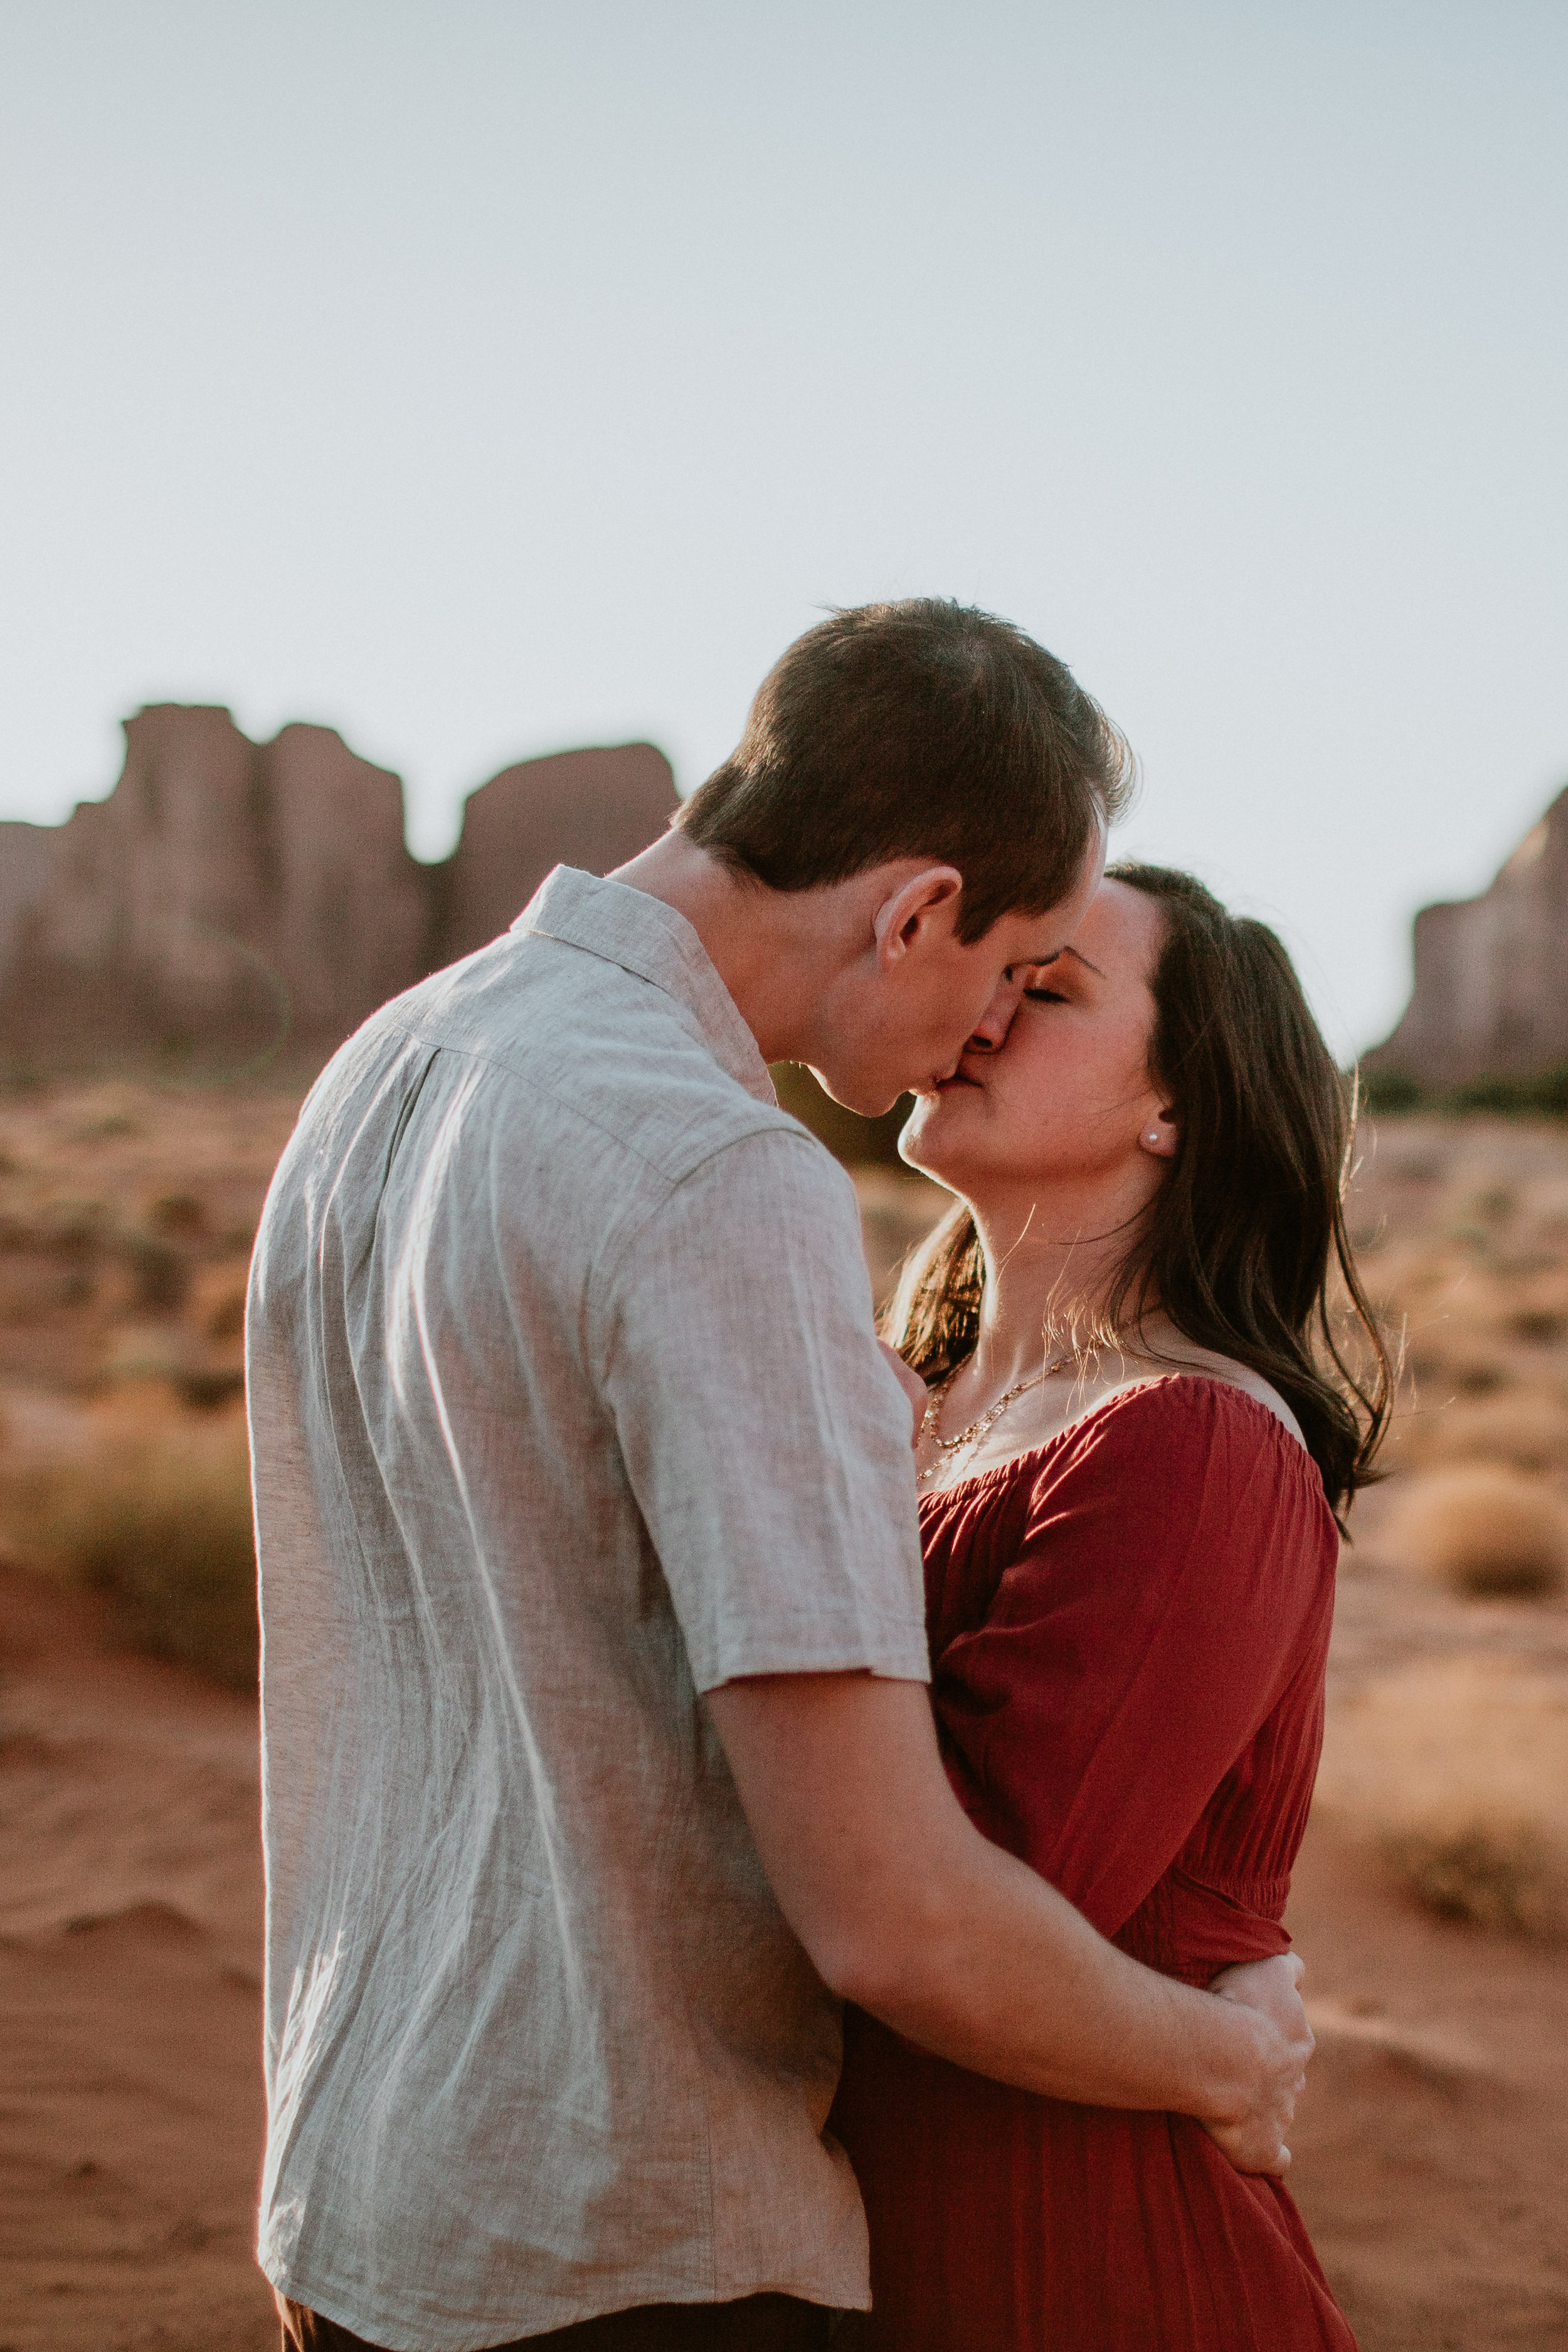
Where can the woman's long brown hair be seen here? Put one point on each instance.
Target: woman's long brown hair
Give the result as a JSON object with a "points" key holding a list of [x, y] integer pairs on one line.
{"points": [[1243, 1241]]}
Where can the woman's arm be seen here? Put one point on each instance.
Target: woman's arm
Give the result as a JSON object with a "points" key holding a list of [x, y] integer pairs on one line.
{"points": [[1171, 1581]]}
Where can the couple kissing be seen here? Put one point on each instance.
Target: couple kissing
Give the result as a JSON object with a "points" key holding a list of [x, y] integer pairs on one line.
{"points": [[776, 1837]]}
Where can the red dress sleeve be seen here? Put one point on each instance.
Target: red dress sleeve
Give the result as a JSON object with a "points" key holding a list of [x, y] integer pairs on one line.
{"points": [[1149, 1645]]}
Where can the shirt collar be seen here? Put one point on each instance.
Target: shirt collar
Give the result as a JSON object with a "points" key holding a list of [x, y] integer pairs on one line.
{"points": [[627, 927]]}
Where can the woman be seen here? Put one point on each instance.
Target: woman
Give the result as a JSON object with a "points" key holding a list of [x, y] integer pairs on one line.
{"points": [[1139, 1434]]}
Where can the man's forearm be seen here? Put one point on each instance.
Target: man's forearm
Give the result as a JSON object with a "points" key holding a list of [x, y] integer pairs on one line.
{"points": [[996, 1971], [907, 1910]]}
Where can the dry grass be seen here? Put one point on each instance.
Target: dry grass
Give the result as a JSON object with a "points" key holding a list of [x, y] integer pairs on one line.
{"points": [[1458, 1768], [126, 1212], [1481, 1529], [126, 1216], [150, 1502]]}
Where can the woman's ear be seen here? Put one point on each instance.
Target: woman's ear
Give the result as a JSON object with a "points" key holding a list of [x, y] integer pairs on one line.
{"points": [[1160, 1134]]}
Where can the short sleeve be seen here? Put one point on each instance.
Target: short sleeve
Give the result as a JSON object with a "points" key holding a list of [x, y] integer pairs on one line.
{"points": [[1172, 1579], [765, 1438]]}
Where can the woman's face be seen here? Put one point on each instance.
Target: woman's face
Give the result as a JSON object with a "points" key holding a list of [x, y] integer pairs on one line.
{"points": [[1064, 1097]]}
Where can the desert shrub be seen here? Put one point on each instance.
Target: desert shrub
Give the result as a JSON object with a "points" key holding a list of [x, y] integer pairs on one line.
{"points": [[1494, 1873], [207, 1387], [155, 1505], [1543, 1095], [1543, 1326], [178, 1546], [178, 1216], [1458, 1769], [218, 1300], [159, 1273], [69, 1227], [1480, 1528], [1391, 1090]]}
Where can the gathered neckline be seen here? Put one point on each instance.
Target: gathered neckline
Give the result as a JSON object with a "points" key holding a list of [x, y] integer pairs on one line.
{"points": [[999, 1470]]}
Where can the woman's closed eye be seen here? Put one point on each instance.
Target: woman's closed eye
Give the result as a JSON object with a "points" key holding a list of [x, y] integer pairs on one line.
{"points": [[1044, 996]]}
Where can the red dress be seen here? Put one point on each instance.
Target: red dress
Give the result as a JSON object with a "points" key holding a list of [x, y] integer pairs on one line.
{"points": [[1128, 1634]]}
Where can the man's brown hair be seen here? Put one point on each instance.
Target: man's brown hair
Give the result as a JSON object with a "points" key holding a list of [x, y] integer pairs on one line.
{"points": [[923, 729]]}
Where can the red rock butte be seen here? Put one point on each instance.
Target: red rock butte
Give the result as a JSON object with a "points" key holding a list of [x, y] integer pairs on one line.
{"points": [[1490, 994], [230, 893]]}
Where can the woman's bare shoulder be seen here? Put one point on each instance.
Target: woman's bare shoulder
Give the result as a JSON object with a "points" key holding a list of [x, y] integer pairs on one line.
{"points": [[1165, 1391], [1202, 1363], [1118, 1400]]}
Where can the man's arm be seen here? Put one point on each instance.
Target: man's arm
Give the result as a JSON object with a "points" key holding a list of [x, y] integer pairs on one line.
{"points": [[905, 1908]]}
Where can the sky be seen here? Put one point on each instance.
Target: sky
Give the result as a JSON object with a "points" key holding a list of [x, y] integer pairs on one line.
{"points": [[482, 378]]}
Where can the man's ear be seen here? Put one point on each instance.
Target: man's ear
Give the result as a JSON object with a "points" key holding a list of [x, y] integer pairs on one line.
{"points": [[929, 896]]}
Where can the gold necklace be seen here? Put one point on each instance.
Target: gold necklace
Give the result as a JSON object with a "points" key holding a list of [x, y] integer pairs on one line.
{"points": [[982, 1423]]}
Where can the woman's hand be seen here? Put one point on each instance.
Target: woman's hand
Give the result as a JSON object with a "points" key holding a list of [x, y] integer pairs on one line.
{"points": [[913, 1387], [1257, 2143]]}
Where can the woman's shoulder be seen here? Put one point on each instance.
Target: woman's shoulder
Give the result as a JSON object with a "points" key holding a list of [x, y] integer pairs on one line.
{"points": [[1185, 1443], [1194, 1443], [1182, 1490], [1192, 1404], [1207, 1392], [1185, 1483]]}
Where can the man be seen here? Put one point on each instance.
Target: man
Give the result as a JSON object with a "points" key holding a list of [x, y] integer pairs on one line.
{"points": [[597, 1759]]}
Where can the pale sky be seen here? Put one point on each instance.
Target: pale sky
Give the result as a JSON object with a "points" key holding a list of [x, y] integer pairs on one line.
{"points": [[483, 379]]}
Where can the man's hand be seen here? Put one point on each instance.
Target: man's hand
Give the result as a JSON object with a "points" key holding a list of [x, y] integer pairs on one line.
{"points": [[913, 1387], [1255, 2140], [903, 1907]]}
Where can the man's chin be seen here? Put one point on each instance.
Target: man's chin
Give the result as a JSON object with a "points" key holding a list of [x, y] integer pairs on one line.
{"points": [[866, 1099]]}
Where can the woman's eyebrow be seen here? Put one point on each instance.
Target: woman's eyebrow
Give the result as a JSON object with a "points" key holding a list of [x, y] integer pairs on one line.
{"points": [[1079, 956]]}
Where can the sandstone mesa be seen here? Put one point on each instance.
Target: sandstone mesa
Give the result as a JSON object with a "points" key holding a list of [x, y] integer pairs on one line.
{"points": [[228, 895], [1490, 994]]}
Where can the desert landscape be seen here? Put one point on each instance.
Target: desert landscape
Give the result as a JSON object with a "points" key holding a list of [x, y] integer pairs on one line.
{"points": [[1431, 1903], [428, 430]]}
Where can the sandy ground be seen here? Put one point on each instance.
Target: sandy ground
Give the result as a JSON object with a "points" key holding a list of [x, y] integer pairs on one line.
{"points": [[131, 2109], [1432, 2150], [1432, 2157]]}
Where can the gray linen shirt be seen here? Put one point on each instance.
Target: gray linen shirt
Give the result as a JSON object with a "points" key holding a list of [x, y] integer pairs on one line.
{"points": [[565, 1408]]}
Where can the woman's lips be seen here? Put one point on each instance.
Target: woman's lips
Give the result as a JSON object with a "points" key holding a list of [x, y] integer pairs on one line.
{"points": [[957, 1080]]}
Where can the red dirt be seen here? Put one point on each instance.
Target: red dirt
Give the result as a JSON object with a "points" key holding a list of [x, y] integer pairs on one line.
{"points": [[1432, 2149], [130, 2106], [1432, 2156]]}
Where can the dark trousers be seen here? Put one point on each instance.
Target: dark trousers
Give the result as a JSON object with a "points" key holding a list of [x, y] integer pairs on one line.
{"points": [[761, 2323]]}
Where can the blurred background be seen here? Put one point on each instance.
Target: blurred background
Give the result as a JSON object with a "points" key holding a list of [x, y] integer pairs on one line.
{"points": [[420, 429], [489, 378]]}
